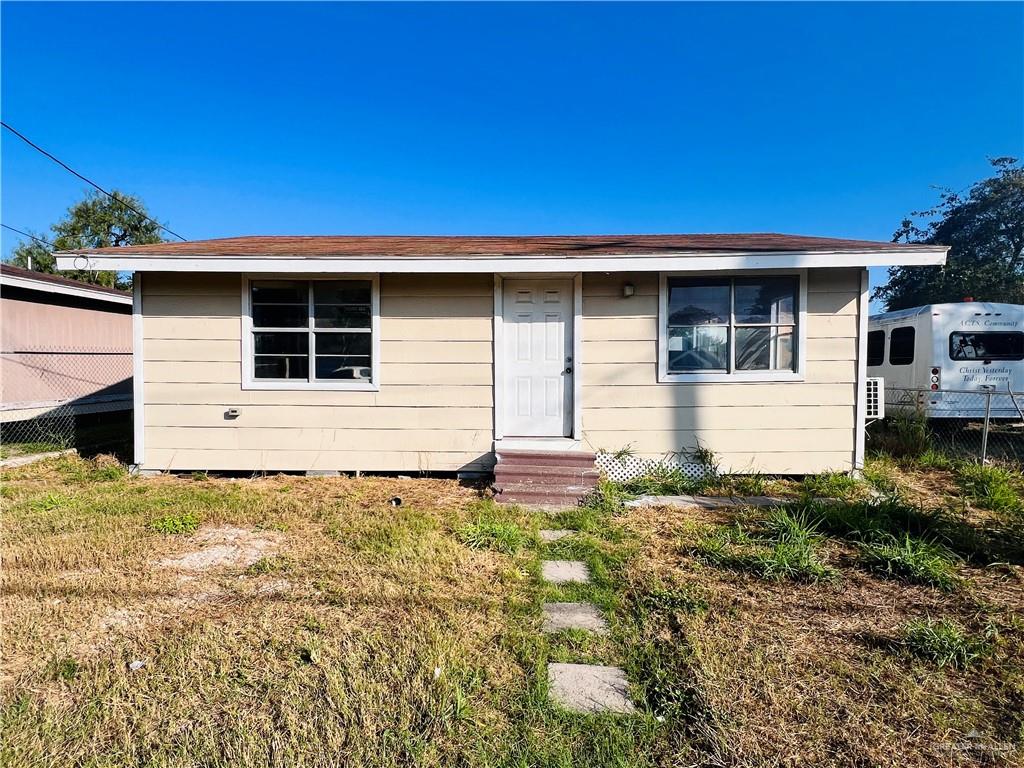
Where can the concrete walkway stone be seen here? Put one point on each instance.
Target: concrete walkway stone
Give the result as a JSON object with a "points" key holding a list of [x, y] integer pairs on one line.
{"points": [[706, 502], [561, 616], [590, 688], [553, 535], [564, 571]]}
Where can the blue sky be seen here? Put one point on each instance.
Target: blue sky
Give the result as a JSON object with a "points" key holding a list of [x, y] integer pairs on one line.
{"points": [[232, 119]]}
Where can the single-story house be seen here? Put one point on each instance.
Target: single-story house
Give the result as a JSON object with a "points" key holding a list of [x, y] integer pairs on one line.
{"points": [[441, 353], [65, 347]]}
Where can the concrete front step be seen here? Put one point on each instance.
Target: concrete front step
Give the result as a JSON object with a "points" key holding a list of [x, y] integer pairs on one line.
{"points": [[542, 493], [581, 459], [533, 472]]}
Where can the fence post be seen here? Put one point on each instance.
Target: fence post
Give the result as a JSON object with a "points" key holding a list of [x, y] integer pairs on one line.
{"points": [[984, 431]]}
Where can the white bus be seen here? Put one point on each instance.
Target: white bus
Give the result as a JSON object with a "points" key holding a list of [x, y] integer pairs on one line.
{"points": [[951, 354]]}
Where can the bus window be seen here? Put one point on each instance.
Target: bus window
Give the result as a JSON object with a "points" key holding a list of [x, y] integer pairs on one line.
{"points": [[876, 347], [901, 345], [988, 345]]}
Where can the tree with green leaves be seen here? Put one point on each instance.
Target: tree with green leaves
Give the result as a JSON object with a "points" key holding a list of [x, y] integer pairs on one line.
{"points": [[97, 221], [985, 231]]}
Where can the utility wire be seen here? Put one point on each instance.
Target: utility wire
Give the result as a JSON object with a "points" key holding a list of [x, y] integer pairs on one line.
{"points": [[71, 170], [26, 234]]}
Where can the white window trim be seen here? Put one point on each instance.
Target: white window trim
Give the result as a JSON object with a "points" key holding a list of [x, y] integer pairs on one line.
{"points": [[250, 382], [736, 377]]}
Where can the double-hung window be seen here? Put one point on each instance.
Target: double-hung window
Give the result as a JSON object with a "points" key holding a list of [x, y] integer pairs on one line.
{"points": [[730, 328], [311, 334]]}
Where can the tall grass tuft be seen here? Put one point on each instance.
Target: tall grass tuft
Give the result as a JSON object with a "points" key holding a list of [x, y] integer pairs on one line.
{"points": [[913, 560], [945, 642], [991, 487]]}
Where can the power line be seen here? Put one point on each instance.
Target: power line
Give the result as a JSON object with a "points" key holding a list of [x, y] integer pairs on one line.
{"points": [[26, 234], [71, 170]]}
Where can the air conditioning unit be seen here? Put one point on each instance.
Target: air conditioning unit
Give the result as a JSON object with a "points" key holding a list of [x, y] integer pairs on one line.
{"points": [[875, 399]]}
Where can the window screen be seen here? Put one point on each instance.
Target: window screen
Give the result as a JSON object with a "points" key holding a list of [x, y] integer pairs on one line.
{"points": [[901, 346], [876, 347]]}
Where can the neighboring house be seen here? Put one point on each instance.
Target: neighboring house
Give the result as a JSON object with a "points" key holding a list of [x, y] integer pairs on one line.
{"points": [[64, 345], [434, 353]]}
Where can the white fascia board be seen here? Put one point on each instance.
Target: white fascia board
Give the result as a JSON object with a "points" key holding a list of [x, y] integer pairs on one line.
{"points": [[681, 262], [16, 281]]}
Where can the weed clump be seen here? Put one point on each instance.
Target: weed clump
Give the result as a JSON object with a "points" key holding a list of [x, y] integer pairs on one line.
{"points": [[944, 642], [913, 560], [182, 522], [992, 487]]}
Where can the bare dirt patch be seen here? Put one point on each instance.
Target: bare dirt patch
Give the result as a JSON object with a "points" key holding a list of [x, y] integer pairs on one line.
{"points": [[224, 546]]}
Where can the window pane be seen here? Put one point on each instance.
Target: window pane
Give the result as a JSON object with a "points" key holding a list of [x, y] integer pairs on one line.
{"points": [[696, 301], [764, 349], [698, 348], [280, 316], [281, 367], [343, 344], [901, 346], [876, 347], [766, 300], [990, 345], [341, 291], [344, 316], [280, 292], [282, 343], [343, 368]]}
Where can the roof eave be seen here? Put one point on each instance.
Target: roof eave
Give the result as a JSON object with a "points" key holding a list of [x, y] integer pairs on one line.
{"points": [[81, 292], [682, 261]]}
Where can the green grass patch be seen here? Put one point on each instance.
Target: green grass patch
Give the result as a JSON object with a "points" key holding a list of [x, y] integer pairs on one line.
{"points": [[945, 642], [913, 560], [834, 485], [992, 487], [784, 546], [181, 522], [489, 533]]}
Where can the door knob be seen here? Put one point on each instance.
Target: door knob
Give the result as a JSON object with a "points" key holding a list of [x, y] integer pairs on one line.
{"points": [[569, 369]]}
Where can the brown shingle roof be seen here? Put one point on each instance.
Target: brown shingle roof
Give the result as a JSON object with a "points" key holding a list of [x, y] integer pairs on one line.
{"points": [[46, 277], [571, 246]]}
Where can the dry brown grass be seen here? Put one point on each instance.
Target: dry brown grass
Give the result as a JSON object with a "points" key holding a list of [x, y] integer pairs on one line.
{"points": [[812, 674], [309, 622]]}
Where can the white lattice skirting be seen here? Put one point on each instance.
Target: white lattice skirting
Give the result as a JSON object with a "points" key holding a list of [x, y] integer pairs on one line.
{"points": [[628, 467]]}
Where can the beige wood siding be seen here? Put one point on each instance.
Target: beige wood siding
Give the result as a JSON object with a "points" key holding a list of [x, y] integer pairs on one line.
{"points": [[433, 410], [783, 427]]}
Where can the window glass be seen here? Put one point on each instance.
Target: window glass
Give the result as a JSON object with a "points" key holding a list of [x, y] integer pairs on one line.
{"points": [[876, 347], [341, 292], [698, 301], [901, 346], [766, 300], [698, 348], [342, 316], [281, 343], [281, 367], [987, 345], [343, 368], [764, 349]]}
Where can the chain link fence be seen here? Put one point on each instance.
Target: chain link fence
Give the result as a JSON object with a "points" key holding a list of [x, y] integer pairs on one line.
{"points": [[985, 425], [54, 399]]}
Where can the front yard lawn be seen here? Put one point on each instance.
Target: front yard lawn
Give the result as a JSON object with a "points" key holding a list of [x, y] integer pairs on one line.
{"points": [[182, 621]]}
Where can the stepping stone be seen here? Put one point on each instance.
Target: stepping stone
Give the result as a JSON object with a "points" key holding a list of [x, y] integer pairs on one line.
{"points": [[553, 535], [589, 688], [563, 571], [706, 502], [559, 616]]}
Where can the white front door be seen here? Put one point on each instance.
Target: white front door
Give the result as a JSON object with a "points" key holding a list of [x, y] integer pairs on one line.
{"points": [[537, 321]]}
